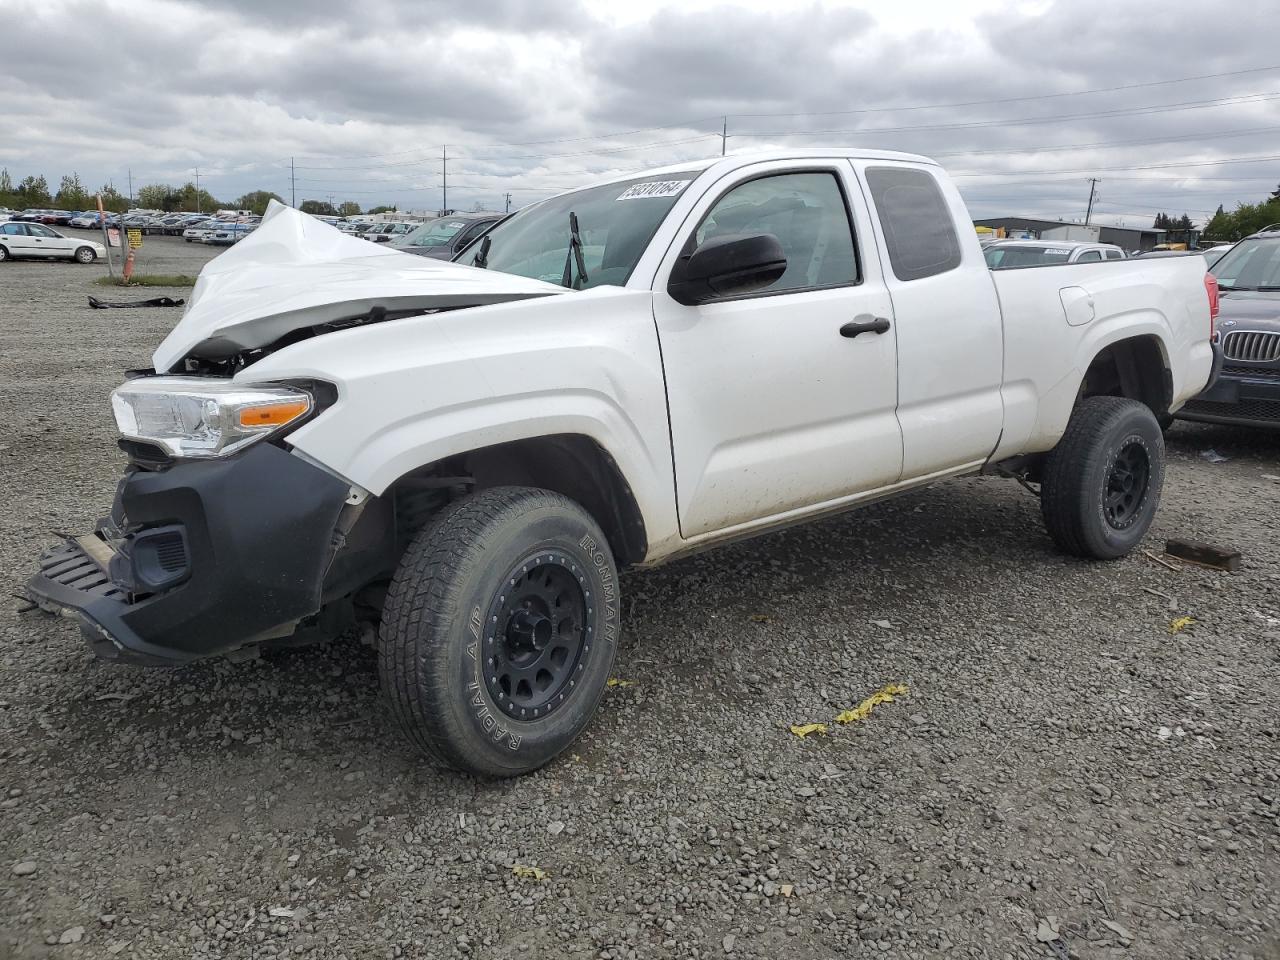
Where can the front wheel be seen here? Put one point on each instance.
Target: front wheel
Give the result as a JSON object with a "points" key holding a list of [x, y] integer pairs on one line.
{"points": [[499, 630], [4, 254], [85, 255], [1101, 483]]}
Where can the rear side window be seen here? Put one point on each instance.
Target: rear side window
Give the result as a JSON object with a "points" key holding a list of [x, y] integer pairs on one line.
{"points": [[1089, 255], [1114, 255], [918, 231]]}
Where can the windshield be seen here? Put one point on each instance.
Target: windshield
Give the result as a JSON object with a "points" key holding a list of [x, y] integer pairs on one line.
{"points": [[1250, 264], [616, 223], [436, 233], [1001, 258]]}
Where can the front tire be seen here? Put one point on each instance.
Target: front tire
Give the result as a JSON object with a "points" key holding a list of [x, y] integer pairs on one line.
{"points": [[1101, 483], [4, 254], [85, 255], [499, 630]]}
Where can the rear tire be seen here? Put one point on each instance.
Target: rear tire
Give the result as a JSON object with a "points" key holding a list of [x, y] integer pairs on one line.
{"points": [[4, 254], [1101, 484], [85, 255], [499, 630]]}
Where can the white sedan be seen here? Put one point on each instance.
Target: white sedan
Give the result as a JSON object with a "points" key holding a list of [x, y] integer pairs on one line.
{"points": [[37, 240]]}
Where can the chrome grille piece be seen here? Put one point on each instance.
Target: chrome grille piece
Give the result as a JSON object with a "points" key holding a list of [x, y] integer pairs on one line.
{"points": [[1251, 347]]}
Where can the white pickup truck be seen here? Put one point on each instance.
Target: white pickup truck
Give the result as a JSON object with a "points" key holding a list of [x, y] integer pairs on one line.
{"points": [[459, 457]]}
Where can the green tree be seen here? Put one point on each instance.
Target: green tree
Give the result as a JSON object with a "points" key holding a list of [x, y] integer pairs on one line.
{"points": [[7, 198], [382, 209], [112, 199], [348, 208], [155, 196], [34, 192], [190, 200], [316, 208], [257, 200], [71, 194]]}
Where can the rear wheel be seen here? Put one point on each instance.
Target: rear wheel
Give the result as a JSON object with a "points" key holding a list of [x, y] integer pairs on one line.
{"points": [[499, 630], [1101, 483], [4, 254], [85, 255]]}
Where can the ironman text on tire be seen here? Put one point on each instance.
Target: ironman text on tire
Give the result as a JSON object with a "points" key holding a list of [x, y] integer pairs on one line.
{"points": [[1101, 483], [499, 630]]}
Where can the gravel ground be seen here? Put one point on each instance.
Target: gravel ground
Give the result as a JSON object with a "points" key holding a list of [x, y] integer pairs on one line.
{"points": [[1066, 777]]}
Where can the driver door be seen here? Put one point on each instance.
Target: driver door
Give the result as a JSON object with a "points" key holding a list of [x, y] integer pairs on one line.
{"points": [[773, 411], [45, 243]]}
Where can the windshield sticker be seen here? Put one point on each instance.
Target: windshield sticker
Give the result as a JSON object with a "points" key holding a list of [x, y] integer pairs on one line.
{"points": [[655, 188], [455, 224], [1056, 250]]}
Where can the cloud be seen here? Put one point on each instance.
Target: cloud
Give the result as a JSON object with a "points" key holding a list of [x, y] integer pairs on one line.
{"points": [[533, 96]]}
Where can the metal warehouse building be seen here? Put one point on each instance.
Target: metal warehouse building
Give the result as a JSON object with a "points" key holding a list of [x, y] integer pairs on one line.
{"points": [[1127, 238]]}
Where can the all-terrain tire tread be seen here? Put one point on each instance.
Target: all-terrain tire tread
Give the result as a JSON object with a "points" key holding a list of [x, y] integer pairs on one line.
{"points": [[423, 592], [1063, 486]]}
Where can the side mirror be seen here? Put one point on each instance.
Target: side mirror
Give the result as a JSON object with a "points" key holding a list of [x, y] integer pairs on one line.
{"points": [[727, 266]]}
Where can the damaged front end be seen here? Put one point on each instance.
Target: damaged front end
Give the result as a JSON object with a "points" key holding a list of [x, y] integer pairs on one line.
{"points": [[202, 559], [221, 536]]}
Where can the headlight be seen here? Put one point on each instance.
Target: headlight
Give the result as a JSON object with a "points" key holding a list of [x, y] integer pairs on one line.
{"points": [[202, 417]]}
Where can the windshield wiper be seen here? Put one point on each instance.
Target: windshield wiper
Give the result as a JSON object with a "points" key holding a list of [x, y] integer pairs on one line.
{"points": [[574, 257], [1268, 289], [482, 255]]}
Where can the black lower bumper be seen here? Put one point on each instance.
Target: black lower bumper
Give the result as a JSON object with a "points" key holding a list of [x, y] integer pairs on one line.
{"points": [[200, 559], [1238, 394]]}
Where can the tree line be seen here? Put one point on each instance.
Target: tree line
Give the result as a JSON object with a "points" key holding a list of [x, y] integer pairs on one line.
{"points": [[72, 194], [1247, 218]]}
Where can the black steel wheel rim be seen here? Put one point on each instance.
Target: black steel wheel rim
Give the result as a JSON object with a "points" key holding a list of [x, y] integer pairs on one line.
{"points": [[1128, 480], [538, 636]]}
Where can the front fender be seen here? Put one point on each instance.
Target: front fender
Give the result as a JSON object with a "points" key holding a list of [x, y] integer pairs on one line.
{"points": [[417, 390]]}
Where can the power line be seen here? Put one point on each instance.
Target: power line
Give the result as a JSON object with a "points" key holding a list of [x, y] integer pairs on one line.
{"points": [[978, 103], [974, 124], [1147, 166]]}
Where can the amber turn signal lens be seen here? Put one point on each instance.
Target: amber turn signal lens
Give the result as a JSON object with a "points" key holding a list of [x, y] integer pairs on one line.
{"points": [[273, 414]]}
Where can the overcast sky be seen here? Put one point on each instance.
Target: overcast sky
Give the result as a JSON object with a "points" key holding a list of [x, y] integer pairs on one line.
{"points": [[533, 96]]}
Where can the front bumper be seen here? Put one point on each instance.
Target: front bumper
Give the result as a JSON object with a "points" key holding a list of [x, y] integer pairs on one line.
{"points": [[1237, 394], [200, 559]]}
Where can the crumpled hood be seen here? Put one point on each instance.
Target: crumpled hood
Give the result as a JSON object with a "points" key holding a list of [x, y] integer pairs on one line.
{"points": [[295, 271]]}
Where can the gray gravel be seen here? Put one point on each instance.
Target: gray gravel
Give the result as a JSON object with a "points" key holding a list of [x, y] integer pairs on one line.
{"points": [[1065, 778]]}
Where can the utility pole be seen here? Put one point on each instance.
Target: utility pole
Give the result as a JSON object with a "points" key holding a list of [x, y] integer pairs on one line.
{"points": [[331, 203], [508, 210], [293, 186], [444, 181], [197, 190], [130, 189], [1093, 187], [724, 134]]}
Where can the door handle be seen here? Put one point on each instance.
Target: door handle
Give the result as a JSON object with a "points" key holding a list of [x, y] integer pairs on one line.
{"points": [[855, 327]]}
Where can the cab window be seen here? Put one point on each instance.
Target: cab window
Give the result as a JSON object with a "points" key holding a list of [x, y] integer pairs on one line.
{"points": [[806, 212], [918, 230]]}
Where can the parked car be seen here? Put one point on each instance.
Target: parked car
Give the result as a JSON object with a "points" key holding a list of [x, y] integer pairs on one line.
{"points": [[86, 221], [1213, 254], [200, 231], [228, 233], [644, 368], [1248, 391], [445, 238], [1008, 254], [385, 232], [36, 240]]}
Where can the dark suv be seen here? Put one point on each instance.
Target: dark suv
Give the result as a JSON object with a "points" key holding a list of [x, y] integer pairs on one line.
{"points": [[1248, 391], [445, 238]]}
